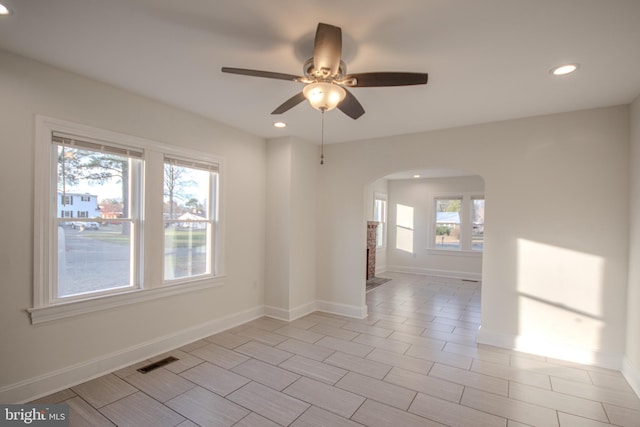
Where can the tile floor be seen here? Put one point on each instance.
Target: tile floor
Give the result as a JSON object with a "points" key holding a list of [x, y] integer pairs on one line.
{"points": [[412, 362]]}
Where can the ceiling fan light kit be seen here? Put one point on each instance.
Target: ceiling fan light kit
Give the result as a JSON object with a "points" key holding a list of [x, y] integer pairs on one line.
{"points": [[324, 96], [326, 79]]}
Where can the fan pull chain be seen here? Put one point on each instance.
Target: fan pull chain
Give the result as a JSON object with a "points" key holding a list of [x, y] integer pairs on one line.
{"points": [[322, 140]]}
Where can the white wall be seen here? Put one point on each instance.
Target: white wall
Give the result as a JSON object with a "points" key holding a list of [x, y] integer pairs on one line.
{"points": [[304, 193], [278, 243], [556, 231], [632, 359], [291, 228], [38, 359], [418, 194]]}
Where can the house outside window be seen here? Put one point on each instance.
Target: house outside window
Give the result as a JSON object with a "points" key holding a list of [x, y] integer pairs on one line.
{"points": [[447, 227], [190, 212], [458, 223]]}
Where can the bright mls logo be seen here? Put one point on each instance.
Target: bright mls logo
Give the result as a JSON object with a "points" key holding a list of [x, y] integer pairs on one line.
{"points": [[34, 415]]}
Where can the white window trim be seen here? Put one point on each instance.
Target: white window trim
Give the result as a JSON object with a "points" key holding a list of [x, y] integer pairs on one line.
{"points": [[465, 217], [44, 307], [213, 220], [385, 197], [455, 252]]}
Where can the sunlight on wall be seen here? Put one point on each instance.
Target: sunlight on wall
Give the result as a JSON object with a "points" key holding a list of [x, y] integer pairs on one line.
{"points": [[559, 300], [404, 228]]}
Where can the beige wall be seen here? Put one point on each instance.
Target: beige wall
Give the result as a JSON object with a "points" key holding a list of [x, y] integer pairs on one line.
{"points": [[632, 360], [556, 236], [27, 351]]}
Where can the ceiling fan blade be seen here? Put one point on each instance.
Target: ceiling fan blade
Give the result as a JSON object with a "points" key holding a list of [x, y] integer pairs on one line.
{"points": [[259, 73], [386, 79], [289, 103], [327, 50], [351, 106]]}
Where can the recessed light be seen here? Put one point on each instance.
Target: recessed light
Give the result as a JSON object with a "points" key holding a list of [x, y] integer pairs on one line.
{"points": [[564, 69], [416, 176], [280, 124], [4, 10]]}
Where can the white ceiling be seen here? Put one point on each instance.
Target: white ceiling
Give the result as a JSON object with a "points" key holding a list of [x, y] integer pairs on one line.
{"points": [[487, 60]]}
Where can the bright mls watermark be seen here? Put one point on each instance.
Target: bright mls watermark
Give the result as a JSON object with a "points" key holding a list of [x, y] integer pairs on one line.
{"points": [[34, 415]]}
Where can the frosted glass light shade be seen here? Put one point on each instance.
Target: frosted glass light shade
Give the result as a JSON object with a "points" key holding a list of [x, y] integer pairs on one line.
{"points": [[324, 96]]}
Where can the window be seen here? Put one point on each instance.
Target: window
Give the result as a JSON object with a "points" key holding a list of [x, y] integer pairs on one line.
{"points": [[447, 227], [101, 258], [106, 259], [190, 190], [477, 221], [458, 223], [380, 215]]}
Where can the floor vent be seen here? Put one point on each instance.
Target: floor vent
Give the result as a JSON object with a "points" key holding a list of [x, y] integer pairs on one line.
{"points": [[469, 280], [158, 364]]}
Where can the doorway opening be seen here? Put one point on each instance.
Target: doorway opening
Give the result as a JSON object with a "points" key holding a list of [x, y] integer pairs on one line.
{"points": [[427, 222]]}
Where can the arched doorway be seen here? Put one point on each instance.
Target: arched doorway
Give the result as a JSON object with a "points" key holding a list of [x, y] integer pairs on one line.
{"points": [[428, 222]]}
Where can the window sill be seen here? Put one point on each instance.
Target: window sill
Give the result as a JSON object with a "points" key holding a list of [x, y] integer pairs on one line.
{"points": [[75, 308], [454, 252]]}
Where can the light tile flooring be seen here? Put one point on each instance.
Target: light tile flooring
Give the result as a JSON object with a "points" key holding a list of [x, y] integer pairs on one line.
{"points": [[412, 362]]}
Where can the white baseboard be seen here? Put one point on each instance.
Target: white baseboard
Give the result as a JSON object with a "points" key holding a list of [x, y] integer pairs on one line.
{"points": [[434, 272], [289, 315], [632, 374], [533, 345], [358, 312], [43, 385]]}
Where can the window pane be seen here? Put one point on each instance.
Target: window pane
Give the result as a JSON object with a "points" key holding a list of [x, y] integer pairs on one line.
{"points": [[186, 193], [447, 232], [93, 257], [478, 225], [94, 243], [185, 250]]}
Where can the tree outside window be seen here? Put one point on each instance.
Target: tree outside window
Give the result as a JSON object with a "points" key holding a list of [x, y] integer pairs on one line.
{"points": [[189, 218]]}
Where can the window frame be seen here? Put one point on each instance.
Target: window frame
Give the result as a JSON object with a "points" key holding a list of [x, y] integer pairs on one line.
{"points": [[385, 215], [466, 224], [471, 211], [434, 224], [44, 307], [212, 218]]}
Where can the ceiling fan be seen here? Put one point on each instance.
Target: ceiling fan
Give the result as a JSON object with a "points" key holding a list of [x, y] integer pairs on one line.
{"points": [[326, 79]]}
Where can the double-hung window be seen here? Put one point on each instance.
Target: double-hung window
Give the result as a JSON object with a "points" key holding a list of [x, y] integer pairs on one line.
{"points": [[380, 215], [448, 225], [104, 260], [477, 222], [107, 233], [458, 223], [190, 218]]}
